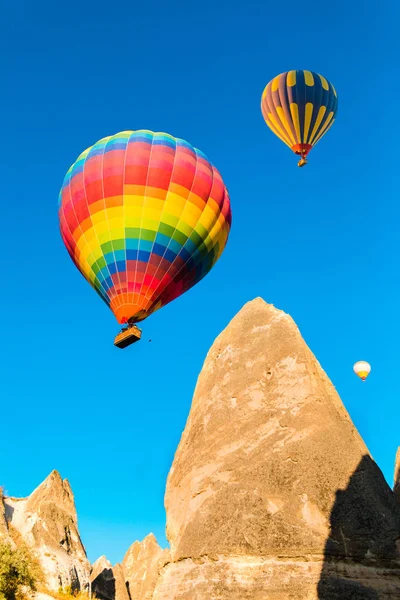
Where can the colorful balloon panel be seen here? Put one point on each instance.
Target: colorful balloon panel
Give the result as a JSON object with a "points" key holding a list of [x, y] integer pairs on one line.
{"points": [[144, 217], [299, 107]]}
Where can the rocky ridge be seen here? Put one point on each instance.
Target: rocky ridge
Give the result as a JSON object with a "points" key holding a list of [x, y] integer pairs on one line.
{"points": [[272, 494], [47, 523]]}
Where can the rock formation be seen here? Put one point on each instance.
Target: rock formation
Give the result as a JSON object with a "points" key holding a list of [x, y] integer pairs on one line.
{"points": [[141, 566], [135, 578], [108, 582], [273, 494], [47, 522], [396, 488], [3, 523]]}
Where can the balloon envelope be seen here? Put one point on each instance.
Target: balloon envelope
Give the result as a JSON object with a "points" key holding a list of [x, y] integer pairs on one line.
{"points": [[299, 107], [144, 217], [362, 369]]}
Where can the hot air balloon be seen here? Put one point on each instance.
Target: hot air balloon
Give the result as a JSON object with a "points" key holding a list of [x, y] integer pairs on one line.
{"points": [[299, 107], [144, 217], [362, 369]]}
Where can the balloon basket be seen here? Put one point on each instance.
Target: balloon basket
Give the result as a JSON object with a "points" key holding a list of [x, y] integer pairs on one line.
{"points": [[128, 336]]}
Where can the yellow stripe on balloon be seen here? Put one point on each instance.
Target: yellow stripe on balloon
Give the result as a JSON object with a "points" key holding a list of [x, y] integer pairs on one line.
{"points": [[131, 209], [88, 241], [99, 216], [149, 224], [122, 134], [90, 235], [309, 78], [94, 250], [321, 113], [117, 228], [155, 198], [184, 228], [97, 252], [278, 132], [363, 374], [85, 256], [190, 217], [171, 220], [275, 83], [286, 125], [324, 82], [307, 121], [174, 205], [84, 267], [104, 236], [102, 229], [207, 217], [131, 199], [291, 78], [294, 111], [114, 212], [174, 210], [327, 125], [154, 214], [334, 91]]}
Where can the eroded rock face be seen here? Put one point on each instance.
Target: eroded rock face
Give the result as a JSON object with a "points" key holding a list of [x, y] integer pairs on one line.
{"points": [[47, 522], [273, 493], [3, 522], [141, 566], [396, 488], [135, 578], [108, 582]]}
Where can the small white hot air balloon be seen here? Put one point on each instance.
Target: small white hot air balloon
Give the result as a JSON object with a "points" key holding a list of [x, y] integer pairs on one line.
{"points": [[362, 369]]}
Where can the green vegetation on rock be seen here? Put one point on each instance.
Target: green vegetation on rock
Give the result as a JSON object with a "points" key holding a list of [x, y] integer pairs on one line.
{"points": [[19, 572]]}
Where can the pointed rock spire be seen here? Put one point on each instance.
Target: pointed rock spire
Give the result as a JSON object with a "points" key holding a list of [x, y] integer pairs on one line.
{"points": [[48, 523], [271, 475], [108, 582], [141, 566]]}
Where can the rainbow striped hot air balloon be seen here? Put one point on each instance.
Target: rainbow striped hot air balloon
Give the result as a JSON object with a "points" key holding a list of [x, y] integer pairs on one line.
{"points": [[144, 217], [299, 107]]}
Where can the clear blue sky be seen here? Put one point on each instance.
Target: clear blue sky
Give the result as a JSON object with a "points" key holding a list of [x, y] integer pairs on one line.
{"points": [[322, 243]]}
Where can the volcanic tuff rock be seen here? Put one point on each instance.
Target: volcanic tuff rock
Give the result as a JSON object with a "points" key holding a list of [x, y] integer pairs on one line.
{"points": [[141, 566], [47, 522], [108, 582], [272, 493], [135, 578], [3, 523], [397, 476]]}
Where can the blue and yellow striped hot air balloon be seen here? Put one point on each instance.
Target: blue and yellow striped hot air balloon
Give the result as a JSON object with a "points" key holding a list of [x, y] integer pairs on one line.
{"points": [[299, 107]]}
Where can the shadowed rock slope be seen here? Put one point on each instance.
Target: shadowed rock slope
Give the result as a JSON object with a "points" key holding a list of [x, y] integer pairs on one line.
{"points": [[141, 567], [135, 578], [108, 582]]}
